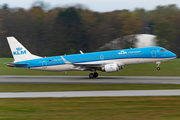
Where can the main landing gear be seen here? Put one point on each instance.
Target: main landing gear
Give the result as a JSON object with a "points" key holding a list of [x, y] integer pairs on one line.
{"points": [[93, 75], [158, 68]]}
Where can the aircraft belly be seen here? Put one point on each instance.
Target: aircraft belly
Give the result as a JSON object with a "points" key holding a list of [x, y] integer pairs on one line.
{"points": [[150, 60], [54, 68], [120, 62], [140, 60], [63, 67]]}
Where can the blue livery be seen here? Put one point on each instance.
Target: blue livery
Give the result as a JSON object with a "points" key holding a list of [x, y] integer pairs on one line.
{"points": [[108, 61]]}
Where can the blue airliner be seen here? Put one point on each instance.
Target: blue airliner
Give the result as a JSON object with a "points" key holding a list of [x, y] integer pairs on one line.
{"points": [[108, 61]]}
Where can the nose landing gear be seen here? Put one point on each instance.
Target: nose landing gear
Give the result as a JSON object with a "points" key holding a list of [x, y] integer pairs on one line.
{"points": [[158, 68]]}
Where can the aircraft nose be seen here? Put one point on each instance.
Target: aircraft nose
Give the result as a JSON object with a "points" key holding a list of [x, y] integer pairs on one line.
{"points": [[173, 55]]}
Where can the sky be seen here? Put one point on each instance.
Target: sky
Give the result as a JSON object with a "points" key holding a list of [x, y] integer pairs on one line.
{"points": [[96, 5]]}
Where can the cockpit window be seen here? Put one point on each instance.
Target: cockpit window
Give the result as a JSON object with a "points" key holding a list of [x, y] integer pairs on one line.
{"points": [[163, 50]]}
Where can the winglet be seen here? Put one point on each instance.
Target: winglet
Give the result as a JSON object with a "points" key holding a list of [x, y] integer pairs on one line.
{"points": [[81, 52]]}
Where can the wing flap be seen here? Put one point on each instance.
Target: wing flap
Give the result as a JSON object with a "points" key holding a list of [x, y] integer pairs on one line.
{"points": [[90, 64]]}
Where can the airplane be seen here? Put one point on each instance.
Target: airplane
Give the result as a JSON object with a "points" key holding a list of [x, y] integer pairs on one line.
{"points": [[107, 61]]}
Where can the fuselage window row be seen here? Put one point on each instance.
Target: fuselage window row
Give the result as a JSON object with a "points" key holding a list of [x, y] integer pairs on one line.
{"points": [[97, 57]]}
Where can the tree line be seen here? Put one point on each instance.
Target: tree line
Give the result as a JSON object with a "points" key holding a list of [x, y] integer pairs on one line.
{"points": [[66, 30]]}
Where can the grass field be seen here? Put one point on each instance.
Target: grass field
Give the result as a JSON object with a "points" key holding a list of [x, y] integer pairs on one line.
{"points": [[82, 87], [92, 108], [102, 108], [168, 68]]}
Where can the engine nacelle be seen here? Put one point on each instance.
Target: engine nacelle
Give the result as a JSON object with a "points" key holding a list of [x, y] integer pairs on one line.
{"points": [[111, 68]]}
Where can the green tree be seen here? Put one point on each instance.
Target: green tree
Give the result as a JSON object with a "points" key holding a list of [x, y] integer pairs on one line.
{"points": [[69, 32], [165, 33], [141, 13], [38, 28], [131, 27], [163, 11]]}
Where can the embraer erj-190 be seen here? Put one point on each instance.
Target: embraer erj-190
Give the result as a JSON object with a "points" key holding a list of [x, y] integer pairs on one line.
{"points": [[108, 61]]}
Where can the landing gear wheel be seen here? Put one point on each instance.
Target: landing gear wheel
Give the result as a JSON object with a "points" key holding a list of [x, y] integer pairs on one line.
{"points": [[157, 63], [158, 68], [91, 75], [95, 75]]}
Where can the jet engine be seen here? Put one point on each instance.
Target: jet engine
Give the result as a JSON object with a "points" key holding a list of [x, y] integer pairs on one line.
{"points": [[110, 68]]}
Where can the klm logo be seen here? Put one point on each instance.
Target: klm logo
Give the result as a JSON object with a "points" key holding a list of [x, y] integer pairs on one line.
{"points": [[122, 52], [111, 68], [19, 51]]}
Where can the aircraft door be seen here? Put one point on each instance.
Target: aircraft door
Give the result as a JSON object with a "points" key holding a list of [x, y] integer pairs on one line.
{"points": [[44, 64], [153, 53]]}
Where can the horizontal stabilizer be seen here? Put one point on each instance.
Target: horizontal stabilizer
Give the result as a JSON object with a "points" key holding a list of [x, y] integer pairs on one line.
{"points": [[13, 64]]}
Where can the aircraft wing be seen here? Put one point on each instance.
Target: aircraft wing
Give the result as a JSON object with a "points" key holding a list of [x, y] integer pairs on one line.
{"points": [[87, 66], [13, 64], [98, 64]]}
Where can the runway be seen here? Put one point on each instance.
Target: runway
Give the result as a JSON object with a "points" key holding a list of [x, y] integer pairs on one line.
{"points": [[121, 93], [82, 79], [85, 79]]}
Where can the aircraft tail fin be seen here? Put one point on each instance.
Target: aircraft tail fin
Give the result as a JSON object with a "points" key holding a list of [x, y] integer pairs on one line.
{"points": [[19, 52]]}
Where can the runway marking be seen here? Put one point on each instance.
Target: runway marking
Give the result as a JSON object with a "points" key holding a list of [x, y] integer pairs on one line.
{"points": [[117, 93]]}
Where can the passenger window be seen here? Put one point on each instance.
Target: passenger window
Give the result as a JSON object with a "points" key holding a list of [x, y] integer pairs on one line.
{"points": [[89, 58], [129, 54], [61, 61], [97, 57], [113, 55], [86, 58], [121, 54], [110, 56], [75, 59], [132, 53], [118, 55], [136, 53], [82, 59], [106, 56], [101, 56]]}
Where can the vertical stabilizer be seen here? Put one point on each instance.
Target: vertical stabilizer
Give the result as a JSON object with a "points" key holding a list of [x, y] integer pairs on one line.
{"points": [[19, 52]]}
